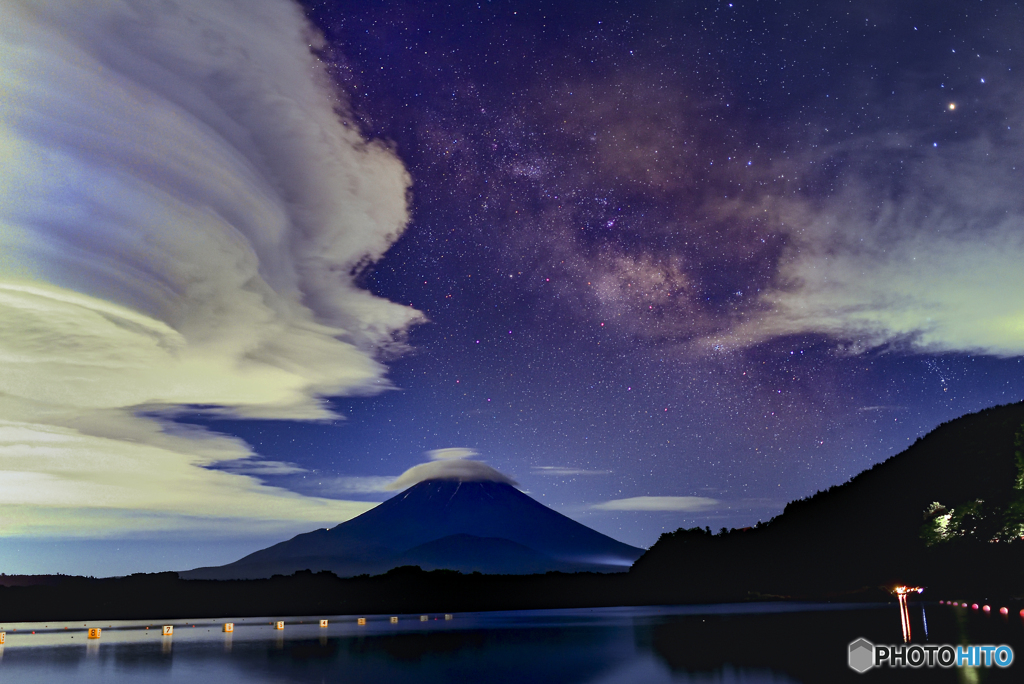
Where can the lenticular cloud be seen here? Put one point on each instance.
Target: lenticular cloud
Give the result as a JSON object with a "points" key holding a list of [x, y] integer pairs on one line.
{"points": [[182, 208]]}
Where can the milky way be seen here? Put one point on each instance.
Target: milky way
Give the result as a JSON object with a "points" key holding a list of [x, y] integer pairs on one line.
{"points": [[741, 251]]}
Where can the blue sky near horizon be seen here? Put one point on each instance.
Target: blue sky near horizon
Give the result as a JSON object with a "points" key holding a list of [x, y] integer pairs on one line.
{"points": [[254, 265]]}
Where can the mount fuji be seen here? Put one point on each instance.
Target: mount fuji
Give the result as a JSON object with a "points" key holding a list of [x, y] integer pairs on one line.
{"points": [[484, 526]]}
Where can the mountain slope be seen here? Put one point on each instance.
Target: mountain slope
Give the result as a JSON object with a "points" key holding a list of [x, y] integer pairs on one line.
{"points": [[947, 507], [385, 536]]}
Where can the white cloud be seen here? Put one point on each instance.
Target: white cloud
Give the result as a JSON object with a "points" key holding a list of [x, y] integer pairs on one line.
{"points": [[560, 471], [119, 474], [450, 464], [355, 484], [451, 453], [182, 208], [690, 504]]}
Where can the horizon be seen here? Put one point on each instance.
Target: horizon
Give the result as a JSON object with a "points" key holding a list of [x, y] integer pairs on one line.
{"points": [[658, 267]]}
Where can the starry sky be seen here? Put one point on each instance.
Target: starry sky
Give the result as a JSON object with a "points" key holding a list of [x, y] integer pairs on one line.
{"points": [[662, 264]]}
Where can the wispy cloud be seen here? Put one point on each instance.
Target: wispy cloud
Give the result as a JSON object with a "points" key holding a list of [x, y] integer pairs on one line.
{"points": [[563, 472], [929, 263], [182, 211], [451, 453], [689, 504], [259, 467], [354, 484], [107, 473]]}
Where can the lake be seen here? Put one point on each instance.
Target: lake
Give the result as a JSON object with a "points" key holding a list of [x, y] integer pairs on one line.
{"points": [[732, 643]]}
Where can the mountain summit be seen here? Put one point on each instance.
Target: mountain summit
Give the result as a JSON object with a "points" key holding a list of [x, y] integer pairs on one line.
{"points": [[485, 526]]}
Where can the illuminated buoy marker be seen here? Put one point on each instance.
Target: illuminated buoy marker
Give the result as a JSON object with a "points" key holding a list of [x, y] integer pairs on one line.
{"points": [[361, 621], [229, 626], [986, 608], [323, 623], [168, 630], [95, 632], [279, 624], [1004, 611]]}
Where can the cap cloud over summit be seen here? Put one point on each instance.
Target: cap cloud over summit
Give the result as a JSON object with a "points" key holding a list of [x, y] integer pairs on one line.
{"points": [[450, 464]]}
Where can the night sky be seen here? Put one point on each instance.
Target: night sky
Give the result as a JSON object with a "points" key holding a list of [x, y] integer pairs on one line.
{"points": [[722, 255]]}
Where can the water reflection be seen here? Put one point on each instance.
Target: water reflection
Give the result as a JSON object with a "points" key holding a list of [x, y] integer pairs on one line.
{"points": [[745, 644], [902, 594]]}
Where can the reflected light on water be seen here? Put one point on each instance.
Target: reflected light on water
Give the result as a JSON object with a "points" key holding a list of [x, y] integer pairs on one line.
{"points": [[901, 596], [724, 644]]}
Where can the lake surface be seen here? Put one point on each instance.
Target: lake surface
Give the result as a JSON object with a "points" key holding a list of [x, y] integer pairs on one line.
{"points": [[733, 643]]}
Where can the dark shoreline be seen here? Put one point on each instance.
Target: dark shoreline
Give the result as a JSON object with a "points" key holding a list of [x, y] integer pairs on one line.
{"points": [[406, 590]]}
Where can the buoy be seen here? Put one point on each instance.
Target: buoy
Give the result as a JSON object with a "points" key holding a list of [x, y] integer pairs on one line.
{"points": [[394, 620], [279, 624], [361, 621], [423, 618], [3, 637], [447, 616], [94, 633], [964, 605], [323, 623], [986, 608], [1004, 611], [974, 606], [168, 630], [229, 626]]}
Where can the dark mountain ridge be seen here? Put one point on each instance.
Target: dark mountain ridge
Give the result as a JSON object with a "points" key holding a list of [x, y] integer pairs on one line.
{"points": [[945, 512]]}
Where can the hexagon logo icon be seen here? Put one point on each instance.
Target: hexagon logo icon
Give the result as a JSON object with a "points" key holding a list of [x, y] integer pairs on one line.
{"points": [[862, 655]]}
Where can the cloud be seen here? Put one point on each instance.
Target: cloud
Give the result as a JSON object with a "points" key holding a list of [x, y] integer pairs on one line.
{"points": [[253, 466], [450, 464], [929, 262], [183, 209], [559, 471], [355, 484], [108, 473], [450, 453], [689, 504]]}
